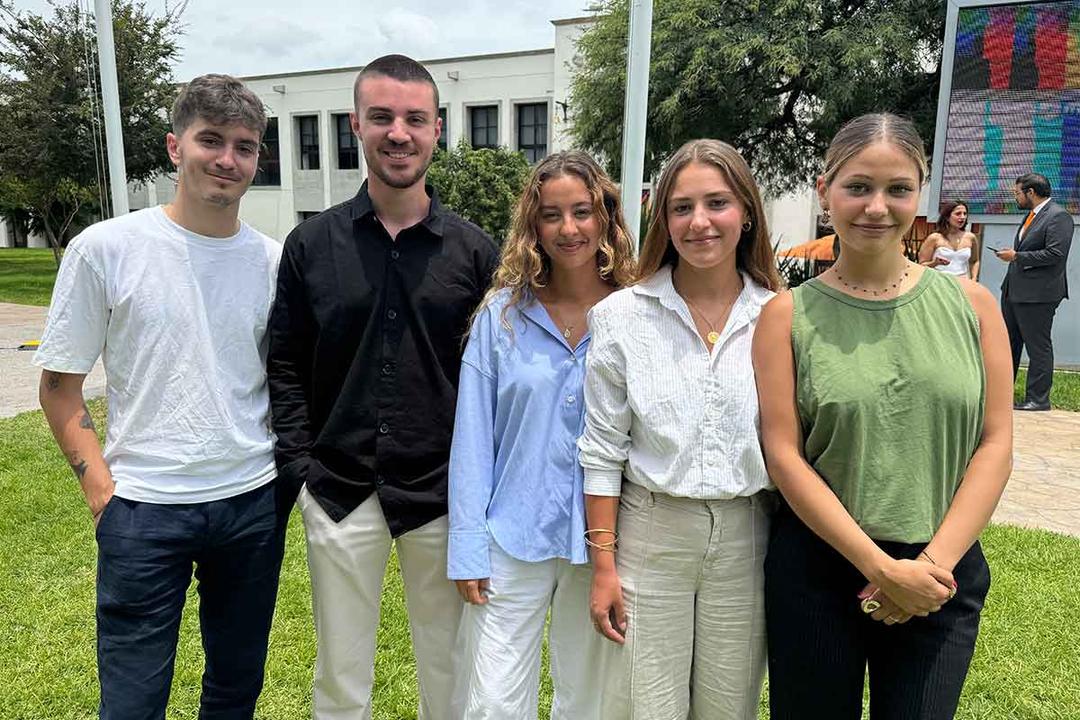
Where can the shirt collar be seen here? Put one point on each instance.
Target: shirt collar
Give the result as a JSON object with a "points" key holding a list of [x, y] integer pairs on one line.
{"points": [[1035, 210], [746, 309], [660, 285], [435, 221]]}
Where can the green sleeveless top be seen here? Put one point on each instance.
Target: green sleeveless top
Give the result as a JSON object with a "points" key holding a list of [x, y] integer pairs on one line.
{"points": [[890, 396]]}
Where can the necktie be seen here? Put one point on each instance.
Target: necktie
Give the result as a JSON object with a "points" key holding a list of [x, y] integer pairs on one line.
{"points": [[1023, 228]]}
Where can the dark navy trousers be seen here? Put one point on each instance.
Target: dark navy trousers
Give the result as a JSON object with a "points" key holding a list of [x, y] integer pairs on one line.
{"points": [[821, 645], [146, 554]]}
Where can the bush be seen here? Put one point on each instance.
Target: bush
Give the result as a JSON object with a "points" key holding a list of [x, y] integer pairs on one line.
{"points": [[481, 185]]}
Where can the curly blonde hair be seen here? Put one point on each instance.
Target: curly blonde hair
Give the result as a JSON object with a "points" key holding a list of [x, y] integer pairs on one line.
{"points": [[523, 264]]}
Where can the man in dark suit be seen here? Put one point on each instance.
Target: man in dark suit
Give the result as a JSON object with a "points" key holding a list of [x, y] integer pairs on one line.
{"points": [[1035, 284]]}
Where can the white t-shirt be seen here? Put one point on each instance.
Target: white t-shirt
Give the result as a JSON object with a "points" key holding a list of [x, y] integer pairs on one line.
{"points": [[181, 322]]}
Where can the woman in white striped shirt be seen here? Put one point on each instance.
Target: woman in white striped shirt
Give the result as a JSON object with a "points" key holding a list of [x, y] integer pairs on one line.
{"points": [[672, 453]]}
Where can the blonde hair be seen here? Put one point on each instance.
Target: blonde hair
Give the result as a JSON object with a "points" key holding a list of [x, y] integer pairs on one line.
{"points": [[523, 264], [866, 130], [753, 254]]}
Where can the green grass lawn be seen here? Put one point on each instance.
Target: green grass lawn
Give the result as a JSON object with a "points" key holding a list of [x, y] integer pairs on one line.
{"points": [[1064, 394], [26, 275], [1027, 664]]}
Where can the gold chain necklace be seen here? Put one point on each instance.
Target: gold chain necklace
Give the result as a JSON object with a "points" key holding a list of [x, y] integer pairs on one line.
{"points": [[712, 336]]}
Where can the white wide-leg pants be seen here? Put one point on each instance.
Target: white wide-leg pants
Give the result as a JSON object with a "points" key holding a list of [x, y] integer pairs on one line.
{"points": [[499, 643], [347, 562]]}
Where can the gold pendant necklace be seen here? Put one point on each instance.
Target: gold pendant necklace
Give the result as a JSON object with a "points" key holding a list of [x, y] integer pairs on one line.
{"points": [[567, 332], [712, 336]]}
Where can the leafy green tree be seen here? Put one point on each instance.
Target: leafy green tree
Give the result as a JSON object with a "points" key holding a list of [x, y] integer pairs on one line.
{"points": [[775, 78], [481, 185], [51, 128]]}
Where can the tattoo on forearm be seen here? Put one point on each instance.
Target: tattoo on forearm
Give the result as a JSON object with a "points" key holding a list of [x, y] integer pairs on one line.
{"points": [[78, 465], [52, 380], [86, 422]]}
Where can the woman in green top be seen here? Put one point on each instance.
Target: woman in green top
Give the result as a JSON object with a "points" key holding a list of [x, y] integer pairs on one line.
{"points": [[885, 394]]}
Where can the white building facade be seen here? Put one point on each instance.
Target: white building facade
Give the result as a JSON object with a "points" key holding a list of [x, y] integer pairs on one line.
{"points": [[518, 100]]}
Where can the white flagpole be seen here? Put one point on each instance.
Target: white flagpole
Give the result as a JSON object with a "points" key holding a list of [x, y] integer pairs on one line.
{"points": [[635, 111], [110, 98]]}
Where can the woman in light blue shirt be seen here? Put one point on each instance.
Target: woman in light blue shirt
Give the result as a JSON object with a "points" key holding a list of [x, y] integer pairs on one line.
{"points": [[517, 519]]}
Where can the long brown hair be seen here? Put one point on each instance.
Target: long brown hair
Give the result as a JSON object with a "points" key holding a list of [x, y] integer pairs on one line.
{"points": [[753, 254], [524, 266], [947, 210]]}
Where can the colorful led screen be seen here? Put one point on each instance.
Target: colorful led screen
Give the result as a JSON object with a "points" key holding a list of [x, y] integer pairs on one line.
{"points": [[1014, 106]]}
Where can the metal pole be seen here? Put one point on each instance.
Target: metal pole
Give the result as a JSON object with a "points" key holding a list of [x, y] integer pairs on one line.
{"points": [[110, 100], [635, 111]]}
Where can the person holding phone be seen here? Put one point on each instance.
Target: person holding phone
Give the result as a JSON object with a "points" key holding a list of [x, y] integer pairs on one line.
{"points": [[890, 467], [677, 496], [952, 249]]}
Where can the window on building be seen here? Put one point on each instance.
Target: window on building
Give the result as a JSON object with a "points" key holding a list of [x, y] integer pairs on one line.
{"points": [[269, 172], [444, 138], [307, 127], [532, 130], [484, 126], [348, 151]]}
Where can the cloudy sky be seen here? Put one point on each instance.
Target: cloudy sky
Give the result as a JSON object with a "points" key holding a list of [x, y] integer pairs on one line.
{"points": [[255, 37]]}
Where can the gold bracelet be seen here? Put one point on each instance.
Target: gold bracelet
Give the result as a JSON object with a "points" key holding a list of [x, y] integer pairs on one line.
{"points": [[610, 545], [600, 530], [929, 557]]}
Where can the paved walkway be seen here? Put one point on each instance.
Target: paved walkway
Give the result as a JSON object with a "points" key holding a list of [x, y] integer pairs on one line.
{"points": [[1044, 490], [19, 378]]}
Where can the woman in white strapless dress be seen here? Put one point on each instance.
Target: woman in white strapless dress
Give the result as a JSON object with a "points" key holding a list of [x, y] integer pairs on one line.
{"points": [[952, 249]]}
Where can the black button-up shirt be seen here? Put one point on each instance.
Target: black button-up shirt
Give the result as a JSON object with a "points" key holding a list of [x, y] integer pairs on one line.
{"points": [[366, 337]]}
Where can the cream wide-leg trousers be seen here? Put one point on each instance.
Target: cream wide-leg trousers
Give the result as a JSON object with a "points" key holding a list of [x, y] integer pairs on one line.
{"points": [[498, 650], [692, 574], [347, 561]]}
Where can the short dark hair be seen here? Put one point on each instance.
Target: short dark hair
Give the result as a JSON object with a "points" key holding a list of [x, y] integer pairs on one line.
{"points": [[1036, 182], [397, 67], [218, 99]]}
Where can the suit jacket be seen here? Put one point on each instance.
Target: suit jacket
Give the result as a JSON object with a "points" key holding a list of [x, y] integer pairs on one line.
{"points": [[1037, 275]]}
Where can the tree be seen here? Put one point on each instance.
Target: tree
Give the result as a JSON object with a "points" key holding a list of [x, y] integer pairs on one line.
{"points": [[481, 185], [51, 129], [775, 78]]}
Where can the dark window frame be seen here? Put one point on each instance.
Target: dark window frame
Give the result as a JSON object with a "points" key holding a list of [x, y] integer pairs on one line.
{"points": [[348, 148], [489, 127], [444, 137], [307, 133], [268, 173], [536, 150]]}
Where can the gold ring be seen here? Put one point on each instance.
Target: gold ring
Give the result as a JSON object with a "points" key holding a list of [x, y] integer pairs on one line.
{"points": [[952, 593], [870, 605]]}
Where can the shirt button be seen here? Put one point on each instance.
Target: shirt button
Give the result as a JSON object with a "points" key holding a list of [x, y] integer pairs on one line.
{"points": [[388, 369], [395, 254], [391, 314], [379, 480], [569, 399], [384, 429]]}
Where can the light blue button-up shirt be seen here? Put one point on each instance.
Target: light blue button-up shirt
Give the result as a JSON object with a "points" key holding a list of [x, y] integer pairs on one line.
{"points": [[514, 472]]}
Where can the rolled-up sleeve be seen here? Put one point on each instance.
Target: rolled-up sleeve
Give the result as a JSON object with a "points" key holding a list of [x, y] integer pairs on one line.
{"points": [[605, 444], [472, 457]]}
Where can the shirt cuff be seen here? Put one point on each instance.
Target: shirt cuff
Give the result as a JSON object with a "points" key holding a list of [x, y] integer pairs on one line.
{"points": [[603, 482], [468, 556]]}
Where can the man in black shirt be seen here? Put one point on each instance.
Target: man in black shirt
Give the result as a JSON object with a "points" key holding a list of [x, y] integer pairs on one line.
{"points": [[373, 299]]}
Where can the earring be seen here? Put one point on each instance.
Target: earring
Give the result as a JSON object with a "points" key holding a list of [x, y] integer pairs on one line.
{"points": [[826, 218], [747, 225]]}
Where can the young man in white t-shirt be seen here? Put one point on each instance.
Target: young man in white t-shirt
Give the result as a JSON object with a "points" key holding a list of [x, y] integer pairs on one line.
{"points": [[176, 299]]}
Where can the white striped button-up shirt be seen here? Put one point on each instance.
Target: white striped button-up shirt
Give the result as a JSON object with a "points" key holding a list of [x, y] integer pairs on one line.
{"points": [[661, 408]]}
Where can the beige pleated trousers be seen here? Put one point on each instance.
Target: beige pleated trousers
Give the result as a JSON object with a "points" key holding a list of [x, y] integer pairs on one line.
{"points": [[693, 583]]}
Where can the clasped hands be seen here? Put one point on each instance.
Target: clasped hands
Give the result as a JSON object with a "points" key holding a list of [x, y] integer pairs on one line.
{"points": [[905, 589]]}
